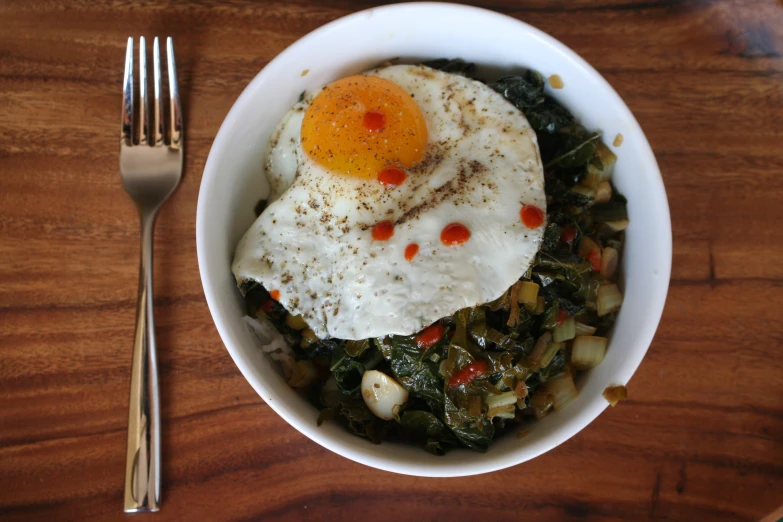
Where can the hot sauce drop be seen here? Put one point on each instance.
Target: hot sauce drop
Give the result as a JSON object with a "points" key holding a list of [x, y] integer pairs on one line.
{"points": [[391, 177], [532, 216], [411, 251], [383, 230], [374, 121], [454, 234]]}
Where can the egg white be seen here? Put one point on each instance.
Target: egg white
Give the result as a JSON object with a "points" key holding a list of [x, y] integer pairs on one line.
{"points": [[313, 242]]}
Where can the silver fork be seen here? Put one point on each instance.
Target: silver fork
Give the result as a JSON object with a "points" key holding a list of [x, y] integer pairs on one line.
{"points": [[150, 171]]}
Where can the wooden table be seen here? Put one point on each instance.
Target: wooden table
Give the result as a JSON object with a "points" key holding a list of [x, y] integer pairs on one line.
{"points": [[701, 437]]}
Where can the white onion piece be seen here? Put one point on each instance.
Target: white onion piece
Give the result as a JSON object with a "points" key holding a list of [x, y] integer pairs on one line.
{"points": [[381, 394]]}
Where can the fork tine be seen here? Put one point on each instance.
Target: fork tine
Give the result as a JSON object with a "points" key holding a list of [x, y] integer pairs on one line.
{"points": [[144, 109], [126, 132], [156, 120], [176, 112]]}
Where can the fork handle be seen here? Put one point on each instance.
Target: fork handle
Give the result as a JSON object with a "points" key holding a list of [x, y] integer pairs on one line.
{"points": [[142, 467]]}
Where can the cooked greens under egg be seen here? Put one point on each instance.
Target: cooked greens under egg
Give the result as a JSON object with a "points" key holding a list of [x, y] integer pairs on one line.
{"points": [[502, 365]]}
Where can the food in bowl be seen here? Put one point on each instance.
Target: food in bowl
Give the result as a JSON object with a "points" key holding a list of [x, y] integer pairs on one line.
{"points": [[438, 254]]}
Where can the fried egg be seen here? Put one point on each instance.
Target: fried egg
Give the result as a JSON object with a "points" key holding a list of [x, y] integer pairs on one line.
{"points": [[399, 196]]}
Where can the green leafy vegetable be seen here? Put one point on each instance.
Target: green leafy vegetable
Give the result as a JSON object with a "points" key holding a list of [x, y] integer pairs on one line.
{"points": [[523, 90], [457, 66], [548, 116], [413, 368], [575, 149], [424, 427], [347, 371]]}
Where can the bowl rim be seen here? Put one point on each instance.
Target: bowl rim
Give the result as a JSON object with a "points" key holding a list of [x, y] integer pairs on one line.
{"points": [[269, 393]]}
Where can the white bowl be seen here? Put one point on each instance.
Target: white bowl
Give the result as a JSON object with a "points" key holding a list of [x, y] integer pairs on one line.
{"points": [[233, 182]]}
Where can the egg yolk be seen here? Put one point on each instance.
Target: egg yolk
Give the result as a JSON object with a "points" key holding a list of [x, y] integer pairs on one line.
{"points": [[360, 125]]}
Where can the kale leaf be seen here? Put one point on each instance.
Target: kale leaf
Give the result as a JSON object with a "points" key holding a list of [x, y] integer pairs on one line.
{"points": [[548, 116], [575, 148], [347, 370], [414, 370], [423, 426], [457, 66], [524, 90]]}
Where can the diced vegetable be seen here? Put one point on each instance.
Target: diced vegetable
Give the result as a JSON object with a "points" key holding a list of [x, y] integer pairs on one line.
{"points": [[594, 257], [586, 246], [593, 177], [295, 322], [528, 294], [513, 313], [550, 353], [568, 233], [608, 299], [606, 157], [563, 390], [584, 329], [542, 401], [308, 338], [601, 166], [502, 399], [503, 412], [520, 390], [609, 260], [474, 405], [583, 190], [469, 373], [430, 336], [587, 352], [565, 330], [303, 374], [616, 226], [603, 192], [541, 306], [540, 347], [615, 394]]}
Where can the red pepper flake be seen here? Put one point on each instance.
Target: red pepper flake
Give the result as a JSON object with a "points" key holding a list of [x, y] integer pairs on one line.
{"points": [[267, 306], [594, 257], [562, 317], [430, 336], [531, 216], [568, 234], [469, 373], [374, 121], [383, 230]]}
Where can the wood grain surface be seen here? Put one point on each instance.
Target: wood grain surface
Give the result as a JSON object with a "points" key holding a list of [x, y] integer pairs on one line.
{"points": [[701, 437]]}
